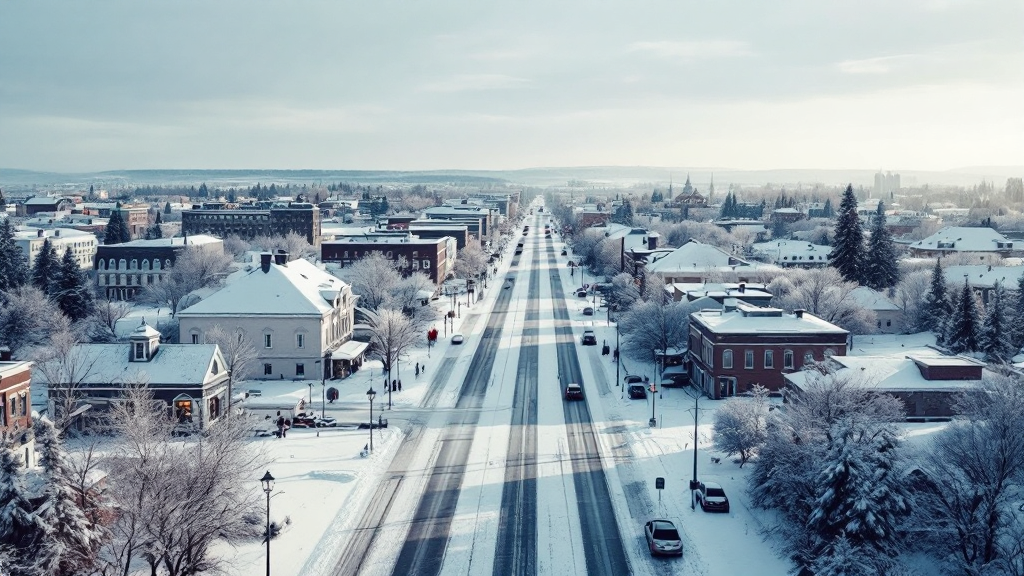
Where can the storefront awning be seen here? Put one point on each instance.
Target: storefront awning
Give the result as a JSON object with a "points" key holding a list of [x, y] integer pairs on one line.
{"points": [[349, 350]]}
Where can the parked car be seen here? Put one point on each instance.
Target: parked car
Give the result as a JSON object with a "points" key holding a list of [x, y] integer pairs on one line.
{"points": [[663, 538], [581, 292], [712, 498], [588, 311], [637, 391], [303, 420], [573, 391], [326, 422], [457, 339], [564, 253], [589, 338], [632, 379]]}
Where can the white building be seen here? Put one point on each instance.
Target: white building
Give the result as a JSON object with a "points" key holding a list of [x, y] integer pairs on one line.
{"points": [[698, 262], [82, 244], [295, 314], [792, 253], [984, 242], [888, 316]]}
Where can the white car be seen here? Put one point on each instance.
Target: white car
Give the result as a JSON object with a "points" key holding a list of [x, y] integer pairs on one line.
{"points": [[457, 339]]}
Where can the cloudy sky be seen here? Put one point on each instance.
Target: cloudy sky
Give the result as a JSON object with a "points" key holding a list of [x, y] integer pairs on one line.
{"points": [[423, 84]]}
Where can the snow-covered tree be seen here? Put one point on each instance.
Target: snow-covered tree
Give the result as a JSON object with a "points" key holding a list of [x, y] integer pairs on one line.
{"points": [[46, 268], [373, 278], [27, 319], [70, 541], [995, 331], [936, 308], [741, 425], [14, 270], [908, 296], [103, 323], [239, 355], [624, 292], [963, 330], [72, 290], [470, 262], [976, 467], [294, 245], [848, 249], [194, 268], [652, 327], [116, 231], [881, 267], [408, 296], [1017, 322], [18, 525], [393, 334], [824, 293], [844, 558]]}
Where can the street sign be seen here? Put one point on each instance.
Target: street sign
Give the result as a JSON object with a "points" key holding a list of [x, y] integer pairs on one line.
{"points": [[659, 483]]}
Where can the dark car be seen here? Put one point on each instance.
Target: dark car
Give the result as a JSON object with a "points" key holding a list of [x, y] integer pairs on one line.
{"points": [[637, 391], [632, 379], [588, 311], [589, 338], [573, 391], [581, 292], [712, 498], [663, 538]]}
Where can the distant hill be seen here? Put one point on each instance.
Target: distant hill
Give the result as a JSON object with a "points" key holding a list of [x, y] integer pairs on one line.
{"points": [[595, 176]]}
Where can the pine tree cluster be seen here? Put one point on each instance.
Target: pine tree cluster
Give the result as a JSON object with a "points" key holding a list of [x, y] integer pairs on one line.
{"points": [[874, 263], [61, 279]]}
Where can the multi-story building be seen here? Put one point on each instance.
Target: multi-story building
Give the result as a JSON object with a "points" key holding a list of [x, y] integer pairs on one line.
{"points": [[277, 220], [15, 406], [697, 262], [83, 245], [983, 242], [435, 257], [45, 205], [295, 314], [122, 270], [478, 220], [792, 253], [733, 349]]}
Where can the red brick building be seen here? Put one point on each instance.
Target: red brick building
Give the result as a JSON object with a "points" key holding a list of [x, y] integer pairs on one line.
{"points": [[434, 256], [16, 408], [733, 349]]}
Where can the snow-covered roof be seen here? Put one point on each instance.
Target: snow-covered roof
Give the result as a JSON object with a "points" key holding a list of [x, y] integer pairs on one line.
{"points": [[792, 251], [961, 239], [696, 256], [980, 276], [173, 364], [894, 373], [30, 233], [872, 299], [747, 318], [191, 240], [297, 288], [721, 290], [44, 200]]}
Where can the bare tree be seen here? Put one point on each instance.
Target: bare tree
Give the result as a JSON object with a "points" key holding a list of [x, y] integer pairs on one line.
{"points": [[909, 296], [373, 278], [294, 244], [103, 322], [408, 296], [239, 355], [175, 501], [470, 262], [393, 334], [64, 367], [651, 327], [27, 319], [194, 268], [824, 293], [741, 425]]}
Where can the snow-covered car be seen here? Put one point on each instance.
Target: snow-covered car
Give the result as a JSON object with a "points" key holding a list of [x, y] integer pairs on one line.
{"points": [[303, 420], [457, 339], [588, 311], [637, 391], [589, 338], [573, 391], [663, 538], [326, 422], [712, 498], [581, 292]]}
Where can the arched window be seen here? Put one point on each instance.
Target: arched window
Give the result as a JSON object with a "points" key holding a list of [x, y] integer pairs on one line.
{"points": [[787, 359], [156, 264], [135, 264], [145, 264], [727, 359], [122, 264]]}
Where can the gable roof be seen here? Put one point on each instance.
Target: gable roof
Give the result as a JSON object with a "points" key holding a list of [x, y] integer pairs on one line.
{"points": [[696, 256], [173, 364], [295, 289], [962, 239], [981, 276], [872, 299]]}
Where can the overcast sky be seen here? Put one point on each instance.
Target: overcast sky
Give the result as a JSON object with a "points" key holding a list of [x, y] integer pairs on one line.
{"points": [[485, 84]]}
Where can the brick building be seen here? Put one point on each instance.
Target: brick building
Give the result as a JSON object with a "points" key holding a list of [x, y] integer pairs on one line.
{"points": [[15, 406], [733, 349], [122, 270], [247, 223], [435, 257]]}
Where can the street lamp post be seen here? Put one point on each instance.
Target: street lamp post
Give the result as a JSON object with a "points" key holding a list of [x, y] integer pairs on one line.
{"points": [[654, 402], [618, 361], [268, 487], [696, 413], [371, 394]]}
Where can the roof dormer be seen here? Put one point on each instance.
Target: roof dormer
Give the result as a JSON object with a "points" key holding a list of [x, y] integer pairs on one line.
{"points": [[144, 342]]}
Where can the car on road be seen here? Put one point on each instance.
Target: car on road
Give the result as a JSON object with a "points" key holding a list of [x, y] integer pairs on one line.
{"points": [[573, 391], [457, 339], [712, 498], [589, 338], [581, 292], [632, 379], [637, 391], [564, 253], [326, 422], [588, 311], [663, 538]]}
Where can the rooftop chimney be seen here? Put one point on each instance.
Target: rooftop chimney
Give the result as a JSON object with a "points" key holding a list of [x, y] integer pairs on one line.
{"points": [[799, 312], [652, 241], [265, 262], [281, 258]]}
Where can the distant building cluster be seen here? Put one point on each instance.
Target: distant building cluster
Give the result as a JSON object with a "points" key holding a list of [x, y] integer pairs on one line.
{"points": [[886, 183]]}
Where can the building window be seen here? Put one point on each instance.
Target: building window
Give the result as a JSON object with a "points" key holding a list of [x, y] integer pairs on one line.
{"points": [[267, 341], [268, 369], [769, 359], [787, 359], [300, 369], [300, 340], [140, 350], [727, 359], [748, 359], [426, 264]]}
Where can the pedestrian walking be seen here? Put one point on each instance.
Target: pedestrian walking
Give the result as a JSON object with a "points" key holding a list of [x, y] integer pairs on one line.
{"points": [[417, 369], [399, 385], [394, 385], [280, 425]]}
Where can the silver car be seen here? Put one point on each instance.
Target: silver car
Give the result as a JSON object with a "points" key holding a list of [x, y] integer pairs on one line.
{"points": [[663, 538]]}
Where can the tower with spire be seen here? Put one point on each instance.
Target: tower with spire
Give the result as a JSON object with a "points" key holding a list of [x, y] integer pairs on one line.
{"points": [[687, 188], [711, 190]]}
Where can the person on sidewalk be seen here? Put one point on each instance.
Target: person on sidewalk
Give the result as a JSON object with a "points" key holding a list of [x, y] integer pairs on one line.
{"points": [[399, 385]]}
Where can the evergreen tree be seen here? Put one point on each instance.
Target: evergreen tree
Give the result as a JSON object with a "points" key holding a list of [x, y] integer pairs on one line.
{"points": [[995, 333], [962, 331], [848, 253], [14, 270], [1017, 321], [881, 270], [71, 289], [936, 307], [205, 192], [17, 522], [167, 208], [71, 541], [827, 209], [46, 267], [117, 231]]}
